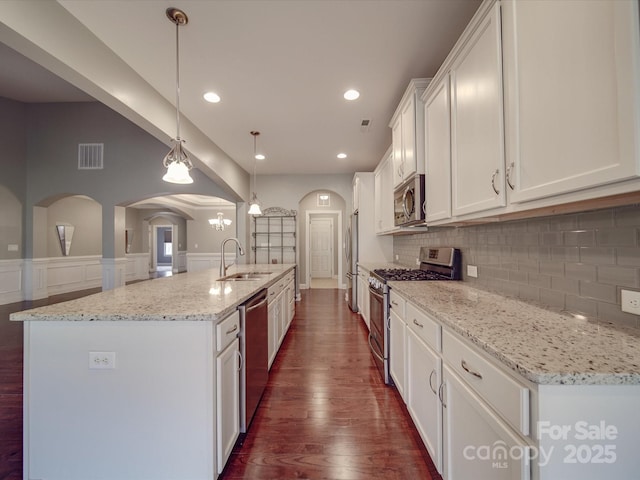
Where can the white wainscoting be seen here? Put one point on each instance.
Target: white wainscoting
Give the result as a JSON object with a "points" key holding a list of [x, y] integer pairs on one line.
{"points": [[181, 264], [205, 261], [11, 275], [137, 267], [68, 274]]}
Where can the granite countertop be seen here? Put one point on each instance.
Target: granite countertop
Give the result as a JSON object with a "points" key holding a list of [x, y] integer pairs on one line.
{"points": [[197, 296], [369, 266], [544, 346]]}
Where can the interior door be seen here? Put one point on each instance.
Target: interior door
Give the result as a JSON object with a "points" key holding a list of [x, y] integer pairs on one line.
{"points": [[321, 241]]}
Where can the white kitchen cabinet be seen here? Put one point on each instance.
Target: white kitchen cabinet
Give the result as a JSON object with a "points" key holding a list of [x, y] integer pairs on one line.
{"points": [[398, 352], [477, 443], [290, 300], [424, 376], [477, 131], [383, 189], [275, 334], [407, 133], [371, 247], [571, 78], [437, 113], [363, 295], [227, 401]]}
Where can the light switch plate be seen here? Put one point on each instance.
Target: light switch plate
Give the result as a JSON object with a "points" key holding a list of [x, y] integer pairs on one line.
{"points": [[472, 271]]}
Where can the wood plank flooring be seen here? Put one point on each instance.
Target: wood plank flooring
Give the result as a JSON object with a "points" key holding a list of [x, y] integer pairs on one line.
{"points": [[325, 414]]}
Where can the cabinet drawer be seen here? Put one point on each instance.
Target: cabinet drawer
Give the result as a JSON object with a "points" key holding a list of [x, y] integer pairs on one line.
{"points": [[227, 330], [505, 395], [426, 328], [275, 290], [397, 304]]}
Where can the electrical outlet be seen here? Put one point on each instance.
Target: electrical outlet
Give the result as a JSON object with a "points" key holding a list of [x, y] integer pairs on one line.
{"points": [[472, 271], [102, 360], [417, 261], [630, 301], [12, 247]]}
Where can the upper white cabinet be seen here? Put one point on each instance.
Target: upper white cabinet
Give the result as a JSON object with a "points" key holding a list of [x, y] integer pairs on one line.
{"points": [[407, 133], [571, 95], [437, 117], [383, 189], [477, 120]]}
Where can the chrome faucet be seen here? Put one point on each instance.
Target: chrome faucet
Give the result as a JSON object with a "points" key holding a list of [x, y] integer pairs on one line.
{"points": [[223, 267]]}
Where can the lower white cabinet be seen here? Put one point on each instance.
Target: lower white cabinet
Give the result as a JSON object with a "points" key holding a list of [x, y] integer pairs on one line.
{"points": [[398, 345], [477, 443], [363, 295], [227, 401], [424, 367], [282, 308]]}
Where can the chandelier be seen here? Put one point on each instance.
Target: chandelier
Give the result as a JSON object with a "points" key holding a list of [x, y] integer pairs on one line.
{"points": [[219, 223], [254, 204]]}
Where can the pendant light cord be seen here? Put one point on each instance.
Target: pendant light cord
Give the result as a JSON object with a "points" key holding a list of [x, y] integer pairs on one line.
{"points": [[177, 82]]}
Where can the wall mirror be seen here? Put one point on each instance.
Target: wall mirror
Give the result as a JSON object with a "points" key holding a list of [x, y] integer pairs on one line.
{"points": [[65, 235]]}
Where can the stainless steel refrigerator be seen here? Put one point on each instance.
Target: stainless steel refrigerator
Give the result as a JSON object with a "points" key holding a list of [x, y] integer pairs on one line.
{"points": [[351, 255]]}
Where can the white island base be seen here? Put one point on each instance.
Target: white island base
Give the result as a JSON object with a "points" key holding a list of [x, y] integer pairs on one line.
{"points": [[152, 416]]}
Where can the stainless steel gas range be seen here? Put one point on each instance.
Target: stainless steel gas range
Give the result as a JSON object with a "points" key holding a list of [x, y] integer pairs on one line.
{"points": [[441, 263]]}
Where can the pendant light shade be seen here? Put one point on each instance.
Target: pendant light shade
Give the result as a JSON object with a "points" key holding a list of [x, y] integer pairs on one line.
{"points": [[254, 204], [177, 161]]}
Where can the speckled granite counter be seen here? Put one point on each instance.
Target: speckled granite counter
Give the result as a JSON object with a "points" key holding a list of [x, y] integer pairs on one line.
{"points": [[368, 266], [541, 345], [194, 296]]}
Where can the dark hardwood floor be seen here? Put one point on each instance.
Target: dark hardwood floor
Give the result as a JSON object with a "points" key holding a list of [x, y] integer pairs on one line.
{"points": [[325, 413]]}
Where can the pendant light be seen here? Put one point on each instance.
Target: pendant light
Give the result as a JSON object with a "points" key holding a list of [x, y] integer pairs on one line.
{"points": [[254, 204], [177, 160]]}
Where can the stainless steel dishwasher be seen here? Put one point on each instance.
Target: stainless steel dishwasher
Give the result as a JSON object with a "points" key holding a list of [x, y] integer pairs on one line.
{"points": [[254, 345]]}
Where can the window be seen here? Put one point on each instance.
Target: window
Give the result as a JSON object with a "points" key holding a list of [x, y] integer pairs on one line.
{"points": [[324, 200]]}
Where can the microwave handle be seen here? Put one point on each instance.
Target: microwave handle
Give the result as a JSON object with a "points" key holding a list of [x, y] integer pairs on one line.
{"points": [[404, 204]]}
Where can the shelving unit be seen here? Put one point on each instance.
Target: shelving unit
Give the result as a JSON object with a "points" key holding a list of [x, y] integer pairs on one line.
{"points": [[274, 236]]}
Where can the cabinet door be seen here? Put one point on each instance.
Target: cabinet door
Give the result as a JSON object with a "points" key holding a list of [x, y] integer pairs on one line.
{"points": [[477, 120], [398, 151], [408, 116], [438, 152], [387, 195], [377, 189], [571, 95], [273, 331], [423, 380], [477, 444], [397, 353], [227, 402], [281, 319]]}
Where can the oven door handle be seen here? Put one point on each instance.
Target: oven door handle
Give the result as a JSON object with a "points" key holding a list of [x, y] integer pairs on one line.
{"points": [[373, 349], [374, 292]]}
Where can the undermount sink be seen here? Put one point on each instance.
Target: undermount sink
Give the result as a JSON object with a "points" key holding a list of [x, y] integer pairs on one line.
{"points": [[245, 276]]}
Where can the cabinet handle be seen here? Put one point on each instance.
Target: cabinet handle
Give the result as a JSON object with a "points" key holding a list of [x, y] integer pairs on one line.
{"points": [[415, 322], [493, 181], [430, 383], [441, 395], [231, 330], [241, 360], [509, 170], [469, 371], [394, 303]]}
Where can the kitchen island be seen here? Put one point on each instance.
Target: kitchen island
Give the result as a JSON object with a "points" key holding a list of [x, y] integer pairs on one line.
{"points": [[122, 384]]}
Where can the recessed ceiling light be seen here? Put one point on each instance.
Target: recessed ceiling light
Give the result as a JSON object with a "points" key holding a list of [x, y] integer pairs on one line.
{"points": [[342, 155], [351, 94], [260, 156], [211, 97]]}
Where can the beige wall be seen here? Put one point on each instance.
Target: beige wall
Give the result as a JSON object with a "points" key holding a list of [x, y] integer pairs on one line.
{"points": [[85, 215]]}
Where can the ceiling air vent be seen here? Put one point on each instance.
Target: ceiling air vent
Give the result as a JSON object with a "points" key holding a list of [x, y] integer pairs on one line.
{"points": [[90, 156], [364, 125]]}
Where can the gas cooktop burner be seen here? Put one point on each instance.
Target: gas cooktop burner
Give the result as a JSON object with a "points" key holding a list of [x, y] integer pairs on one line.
{"points": [[400, 274]]}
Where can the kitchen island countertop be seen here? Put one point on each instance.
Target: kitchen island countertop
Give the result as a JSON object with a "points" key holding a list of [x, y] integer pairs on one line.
{"points": [[544, 346], [191, 296]]}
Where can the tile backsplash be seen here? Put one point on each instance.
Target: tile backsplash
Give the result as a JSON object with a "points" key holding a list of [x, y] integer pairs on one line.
{"points": [[576, 262]]}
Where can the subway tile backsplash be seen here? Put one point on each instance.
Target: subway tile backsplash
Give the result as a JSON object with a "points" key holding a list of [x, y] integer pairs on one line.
{"points": [[577, 262]]}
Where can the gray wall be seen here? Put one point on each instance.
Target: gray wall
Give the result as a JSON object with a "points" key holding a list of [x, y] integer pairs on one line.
{"points": [[10, 224], [203, 238], [13, 128], [578, 262]]}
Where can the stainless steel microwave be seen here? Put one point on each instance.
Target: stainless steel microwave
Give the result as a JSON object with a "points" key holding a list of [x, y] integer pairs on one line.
{"points": [[408, 208]]}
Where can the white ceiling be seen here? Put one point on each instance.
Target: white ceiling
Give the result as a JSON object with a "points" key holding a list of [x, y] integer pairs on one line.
{"points": [[280, 66]]}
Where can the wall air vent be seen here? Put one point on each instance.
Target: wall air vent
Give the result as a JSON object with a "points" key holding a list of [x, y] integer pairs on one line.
{"points": [[365, 125], [90, 156]]}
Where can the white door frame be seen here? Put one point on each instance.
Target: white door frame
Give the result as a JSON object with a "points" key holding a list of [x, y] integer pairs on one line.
{"points": [[154, 246], [307, 252], [332, 233]]}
